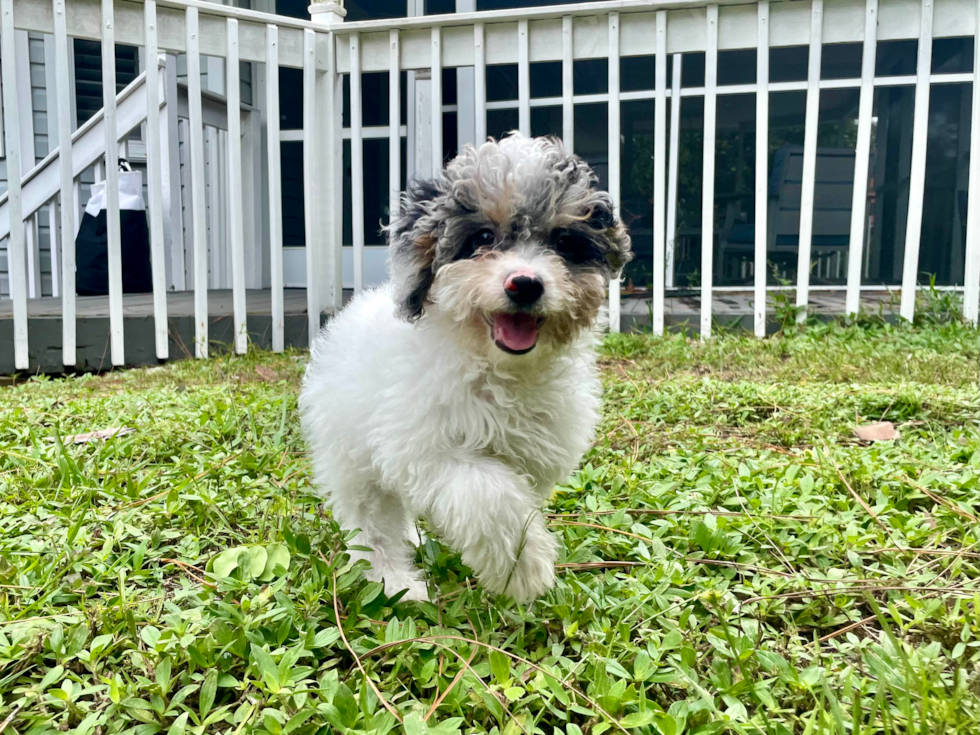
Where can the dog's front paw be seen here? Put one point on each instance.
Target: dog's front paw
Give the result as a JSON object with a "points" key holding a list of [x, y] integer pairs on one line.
{"points": [[534, 572]]}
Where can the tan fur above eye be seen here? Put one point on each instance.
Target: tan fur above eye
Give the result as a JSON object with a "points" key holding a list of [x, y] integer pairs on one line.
{"points": [[426, 241]]}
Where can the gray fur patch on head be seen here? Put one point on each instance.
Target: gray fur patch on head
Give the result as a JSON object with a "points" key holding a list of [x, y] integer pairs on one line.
{"points": [[521, 190]]}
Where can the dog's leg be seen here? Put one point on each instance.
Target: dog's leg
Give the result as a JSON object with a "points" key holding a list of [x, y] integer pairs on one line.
{"points": [[388, 530], [489, 513]]}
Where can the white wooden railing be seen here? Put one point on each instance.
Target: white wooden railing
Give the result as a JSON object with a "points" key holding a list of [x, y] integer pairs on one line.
{"points": [[191, 28], [326, 49]]}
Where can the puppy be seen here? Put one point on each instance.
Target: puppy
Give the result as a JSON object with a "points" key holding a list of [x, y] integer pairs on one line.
{"points": [[466, 388]]}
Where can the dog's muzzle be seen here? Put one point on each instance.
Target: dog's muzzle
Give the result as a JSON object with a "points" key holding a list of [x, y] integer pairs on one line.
{"points": [[517, 332]]}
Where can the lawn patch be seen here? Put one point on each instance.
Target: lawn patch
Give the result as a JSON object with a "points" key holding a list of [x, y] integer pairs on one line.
{"points": [[734, 558]]}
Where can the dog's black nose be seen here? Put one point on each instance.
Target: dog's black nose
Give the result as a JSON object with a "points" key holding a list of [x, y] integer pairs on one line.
{"points": [[524, 290]]}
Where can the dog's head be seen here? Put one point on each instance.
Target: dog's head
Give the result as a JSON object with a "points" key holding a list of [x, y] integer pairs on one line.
{"points": [[514, 244]]}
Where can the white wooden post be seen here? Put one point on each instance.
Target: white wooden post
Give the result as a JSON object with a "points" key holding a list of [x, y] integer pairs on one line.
{"points": [[394, 126], [170, 155], [567, 84], [253, 193], [310, 183], [22, 65], [17, 267], [329, 154], [236, 236], [479, 84], [523, 79], [917, 177], [357, 162], [466, 111], [155, 165], [761, 167], [275, 183], [675, 131], [614, 154], [862, 157], [113, 226], [195, 130], [212, 192], [33, 253], [336, 181], [436, 86], [63, 91], [812, 121], [971, 280], [708, 168], [54, 135], [659, 172], [54, 234]]}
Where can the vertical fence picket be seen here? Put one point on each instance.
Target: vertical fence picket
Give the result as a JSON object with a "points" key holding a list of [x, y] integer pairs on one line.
{"points": [[523, 78], [356, 162], [212, 170], [311, 200], [436, 101], [33, 253], [862, 157], [480, 83], [761, 168], [971, 280], [199, 226], [675, 130], [16, 261], [54, 240], [154, 179], [917, 176], [614, 154], [273, 152], [335, 183], [113, 233], [659, 172], [708, 175], [63, 91], [567, 84], [394, 127], [236, 234], [808, 187]]}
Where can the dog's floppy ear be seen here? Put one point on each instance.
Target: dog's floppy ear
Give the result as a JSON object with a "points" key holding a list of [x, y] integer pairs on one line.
{"points": [[412, 239], [604, 220]]}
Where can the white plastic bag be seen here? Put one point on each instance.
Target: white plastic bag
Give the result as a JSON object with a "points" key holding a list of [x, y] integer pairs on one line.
{"points": [[130, 194]]}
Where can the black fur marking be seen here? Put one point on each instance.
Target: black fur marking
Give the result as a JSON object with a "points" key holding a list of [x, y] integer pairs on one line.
{"points": [[577, 248], [483, 239], [420, 193], [413, 248], [413, 304], [602, 217]]}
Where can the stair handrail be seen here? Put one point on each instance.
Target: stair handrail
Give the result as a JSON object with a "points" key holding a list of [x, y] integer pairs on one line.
{"points": [[81, 160]]}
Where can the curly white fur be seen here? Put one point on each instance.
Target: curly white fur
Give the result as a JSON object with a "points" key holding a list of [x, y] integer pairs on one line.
{"points": [[427, 417]]}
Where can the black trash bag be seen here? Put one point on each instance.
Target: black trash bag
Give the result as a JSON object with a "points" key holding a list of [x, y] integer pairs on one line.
{"points": [[92, 242]]}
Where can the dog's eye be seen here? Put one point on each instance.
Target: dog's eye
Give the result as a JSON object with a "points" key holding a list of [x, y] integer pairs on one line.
{"points": [[601, 219], [575, 248], [484, 238]]}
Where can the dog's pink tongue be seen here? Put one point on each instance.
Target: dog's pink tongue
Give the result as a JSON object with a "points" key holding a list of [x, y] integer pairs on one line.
{"points": [[517, 332]]}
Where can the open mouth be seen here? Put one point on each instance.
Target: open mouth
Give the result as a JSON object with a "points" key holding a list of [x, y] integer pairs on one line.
{"points": [[516, 334]]}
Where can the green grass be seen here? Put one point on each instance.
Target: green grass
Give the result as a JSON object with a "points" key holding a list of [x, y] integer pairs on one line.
{"points": [[733, 559]]}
